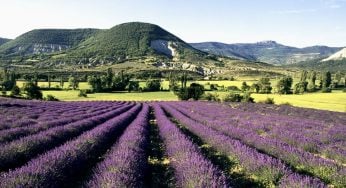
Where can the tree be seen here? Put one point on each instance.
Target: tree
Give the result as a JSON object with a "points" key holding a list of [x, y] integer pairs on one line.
{"points": [[95, 83], [132, 86], [109, 78], [255, 87], [183, 79], [195, 91], [172, 79], [264, 85], [303, 76], [312, 81], [15, 91], [153, 85], [49, 80], [284, 85], [32, 90], [300, 88], [326, 79], [61, 82], [338, 77], [245, 87], [73, 82], [9, 80], [120, 81]]}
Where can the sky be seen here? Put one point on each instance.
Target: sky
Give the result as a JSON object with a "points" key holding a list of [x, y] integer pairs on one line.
{"points": [[297, 23]]}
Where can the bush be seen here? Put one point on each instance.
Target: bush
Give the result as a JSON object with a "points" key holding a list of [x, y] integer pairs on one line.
{"points": [[195, 91], [3, 91], [344, 90], [32, 91], [247, 98], [286, 103], [15, 91], [233, 88], [82, 93], [233, 97], [153, 85], [326, 90], [236, 97], [51, 98], [268, 101], [211, 97], [214, 86]]}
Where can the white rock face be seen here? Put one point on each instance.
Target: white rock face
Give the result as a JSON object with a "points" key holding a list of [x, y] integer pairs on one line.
{"points": [[48, 48], [43, 48], [337, 56], [163, 46]]}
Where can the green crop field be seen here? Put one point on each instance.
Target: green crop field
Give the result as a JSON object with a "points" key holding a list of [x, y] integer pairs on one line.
{"points": [[70, 95], [335, 101]]}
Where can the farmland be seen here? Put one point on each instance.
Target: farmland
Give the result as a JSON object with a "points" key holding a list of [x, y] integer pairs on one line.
{"points": [[169, 144]]}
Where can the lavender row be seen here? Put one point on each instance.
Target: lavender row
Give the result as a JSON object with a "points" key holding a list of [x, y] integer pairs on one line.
{"points": [[18, 152], [307, 135], [25, 116], [126, 162], [15, 133], [305, 113], [267, 169], [62, 165], [313, 136], [303, 161], [192, 169]]}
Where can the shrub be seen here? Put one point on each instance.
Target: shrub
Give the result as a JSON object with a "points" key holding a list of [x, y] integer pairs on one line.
{"points": [[32, 91], [268, 100], [153, 85], [247, 98], [15, 91], [195, 91], [51, 98], [211, 97], [326, 90], [3, 91], [233, 97], [286, 103], [213, 86], [233, 88], [82, 93]]}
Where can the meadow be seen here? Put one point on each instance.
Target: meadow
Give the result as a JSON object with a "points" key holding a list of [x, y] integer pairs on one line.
{"points": [[335, 101], [169, 144]]}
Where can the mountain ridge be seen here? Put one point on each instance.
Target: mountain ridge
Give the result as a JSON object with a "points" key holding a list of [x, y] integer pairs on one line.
{"points": [[39, 41], [339, 55], [3, 40], [267, 51]]}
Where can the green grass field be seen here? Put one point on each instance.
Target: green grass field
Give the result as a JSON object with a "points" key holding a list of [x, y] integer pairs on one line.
{"points": [[71, 95], [335, 101]]}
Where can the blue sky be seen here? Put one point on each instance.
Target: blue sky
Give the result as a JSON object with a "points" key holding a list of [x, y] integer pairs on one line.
{"points": [[292, 22]]}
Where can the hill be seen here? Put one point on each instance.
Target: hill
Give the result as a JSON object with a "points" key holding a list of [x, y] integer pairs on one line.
{"points": [[3, 41], [133, 46], [134, 39], [320, 65], [337, 56], [43, 41], [267, 51]]}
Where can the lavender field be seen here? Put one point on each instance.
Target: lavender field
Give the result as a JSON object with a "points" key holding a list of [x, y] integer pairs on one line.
{"points": [[169, 144]]}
